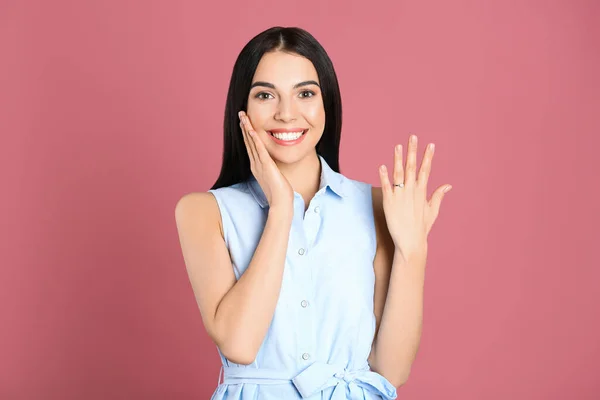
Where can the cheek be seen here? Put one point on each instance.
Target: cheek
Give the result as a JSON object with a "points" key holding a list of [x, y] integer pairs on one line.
{"points": [[257, 116], [315, 114]]}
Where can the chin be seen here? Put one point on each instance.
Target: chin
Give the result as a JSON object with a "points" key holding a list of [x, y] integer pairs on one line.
{"points": [[288, 156]]}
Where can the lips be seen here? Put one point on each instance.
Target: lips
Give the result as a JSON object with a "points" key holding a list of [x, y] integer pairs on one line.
{"points": [[287, 137], [292, 130], [287, 134]]}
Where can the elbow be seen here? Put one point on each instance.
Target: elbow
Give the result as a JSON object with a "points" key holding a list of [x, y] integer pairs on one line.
{"points": [[237, 351], [233, 342], [395, 376], [397, 382], [400, 379], [237, 357]]}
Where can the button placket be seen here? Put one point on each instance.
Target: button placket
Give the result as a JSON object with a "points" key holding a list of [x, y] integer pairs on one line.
{"points": [[304, 290], [312, 224], [305, 317]]}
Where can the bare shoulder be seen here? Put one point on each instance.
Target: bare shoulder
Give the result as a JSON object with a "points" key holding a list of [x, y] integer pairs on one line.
{"points": [[195, 201], [383, 237], [377, 196], [198, 207]]}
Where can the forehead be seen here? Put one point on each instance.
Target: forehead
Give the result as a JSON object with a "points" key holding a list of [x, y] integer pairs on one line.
{"points": [[284, 70]]}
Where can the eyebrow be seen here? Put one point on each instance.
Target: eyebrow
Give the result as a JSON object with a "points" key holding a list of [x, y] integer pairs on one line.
{"points": [[297, 85]]}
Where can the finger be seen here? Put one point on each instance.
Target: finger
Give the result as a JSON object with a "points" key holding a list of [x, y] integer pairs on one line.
{"points": [[411, 161], [248, 128], [249, 149], [261, 150], [425, 169], [251, 131], [437, 197], [257, 144], [398, 168], [247, 143], [386, 188]]}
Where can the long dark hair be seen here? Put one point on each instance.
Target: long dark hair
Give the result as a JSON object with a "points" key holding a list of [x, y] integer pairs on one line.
{"points": [[235, 166]]}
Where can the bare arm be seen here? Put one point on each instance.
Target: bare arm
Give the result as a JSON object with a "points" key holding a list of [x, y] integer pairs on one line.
{"points": [[237, 315]]}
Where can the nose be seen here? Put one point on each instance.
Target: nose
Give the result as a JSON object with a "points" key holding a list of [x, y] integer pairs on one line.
{"points": [[286, 110]]}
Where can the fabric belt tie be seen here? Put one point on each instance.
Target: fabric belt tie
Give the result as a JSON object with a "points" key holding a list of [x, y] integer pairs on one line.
{"points": [[317, 377]]}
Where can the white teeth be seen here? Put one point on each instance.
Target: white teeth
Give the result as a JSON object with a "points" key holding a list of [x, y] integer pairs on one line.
{"points": [[287, 135]]}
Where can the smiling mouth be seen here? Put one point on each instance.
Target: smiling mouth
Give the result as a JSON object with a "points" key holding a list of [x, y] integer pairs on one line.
{"points": [[287, 136]]}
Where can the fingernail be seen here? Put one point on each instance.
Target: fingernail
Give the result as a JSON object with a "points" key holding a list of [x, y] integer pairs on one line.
{"points": [[432, 146], [398, 148], [413, 138], [447, 189]]}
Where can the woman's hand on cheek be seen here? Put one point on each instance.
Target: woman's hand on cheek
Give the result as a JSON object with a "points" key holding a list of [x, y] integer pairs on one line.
{"points": [[277, 189]]}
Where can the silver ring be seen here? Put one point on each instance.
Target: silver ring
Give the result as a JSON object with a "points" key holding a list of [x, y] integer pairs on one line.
{"points": [[400, 185]]}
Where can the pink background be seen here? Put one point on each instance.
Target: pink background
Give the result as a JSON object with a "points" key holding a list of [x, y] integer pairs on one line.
{"points": [[110, 111]]}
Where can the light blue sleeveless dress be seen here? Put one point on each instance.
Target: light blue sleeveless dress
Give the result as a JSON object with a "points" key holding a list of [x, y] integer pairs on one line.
{"points": [[321, 334]]}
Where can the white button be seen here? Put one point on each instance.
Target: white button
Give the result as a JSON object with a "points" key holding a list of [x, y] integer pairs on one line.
{"points": [[305, 356], [304, 303], [317, 209], [301, 251]]}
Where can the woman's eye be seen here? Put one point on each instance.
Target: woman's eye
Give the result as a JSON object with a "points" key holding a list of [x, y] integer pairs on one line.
{"points": [[261, 94], [307, 94]]}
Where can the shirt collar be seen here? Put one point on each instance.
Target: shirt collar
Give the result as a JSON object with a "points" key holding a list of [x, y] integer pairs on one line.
{"points": [[329, 178]]}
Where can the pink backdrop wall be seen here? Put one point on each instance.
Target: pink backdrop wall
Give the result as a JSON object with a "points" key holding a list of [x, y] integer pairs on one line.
{"points": [[111, 110]]}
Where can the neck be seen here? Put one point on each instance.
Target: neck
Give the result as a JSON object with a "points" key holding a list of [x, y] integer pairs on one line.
{"points": [[304, 175]]}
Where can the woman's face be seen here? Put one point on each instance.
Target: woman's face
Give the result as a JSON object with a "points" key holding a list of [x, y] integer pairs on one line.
{"points": [[285, 97]]}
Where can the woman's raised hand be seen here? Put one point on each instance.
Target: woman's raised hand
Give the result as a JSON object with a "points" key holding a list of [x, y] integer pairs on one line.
{"points": [[277, 189], [409, 215]]}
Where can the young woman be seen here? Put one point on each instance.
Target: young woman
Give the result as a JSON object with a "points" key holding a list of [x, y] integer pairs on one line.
{"points": [[309, 283]]}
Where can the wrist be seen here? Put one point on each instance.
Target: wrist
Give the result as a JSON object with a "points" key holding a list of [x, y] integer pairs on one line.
{"points": [[284, 213], [415, 256]]}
